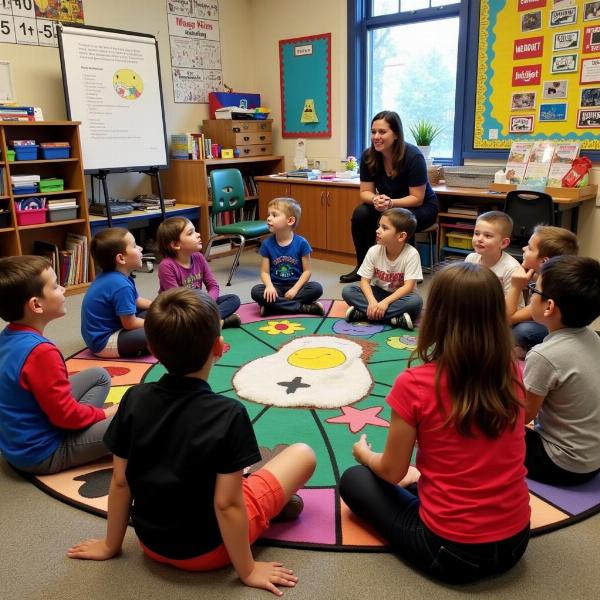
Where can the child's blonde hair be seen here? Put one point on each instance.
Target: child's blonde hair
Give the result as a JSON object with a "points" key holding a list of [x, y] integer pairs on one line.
{"points": [[288, 206], [170, 231], [555, 241], [465, 333], [500, 220]]}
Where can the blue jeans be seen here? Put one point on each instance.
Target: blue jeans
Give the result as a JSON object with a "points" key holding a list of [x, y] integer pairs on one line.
{"points": [[227, 303], [411, 303], [310, 292], [394, 513], [528, 333]]}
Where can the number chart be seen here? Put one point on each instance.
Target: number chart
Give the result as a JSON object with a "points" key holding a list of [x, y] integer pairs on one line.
{"points": [[33, 22]]}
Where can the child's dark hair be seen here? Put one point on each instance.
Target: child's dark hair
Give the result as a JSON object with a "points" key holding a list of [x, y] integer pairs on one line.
{"points": [[573, 282], [181, 327], [288, 206], [106, 245], [555, 241], [402, 220], [465, 332], [20, 280], [170, 231], [500, 219]]}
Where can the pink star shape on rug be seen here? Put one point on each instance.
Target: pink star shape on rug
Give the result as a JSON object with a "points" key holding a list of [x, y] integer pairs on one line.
{"points": [[357, 418]]}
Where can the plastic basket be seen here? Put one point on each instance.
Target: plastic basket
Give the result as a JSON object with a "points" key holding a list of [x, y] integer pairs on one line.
{"points": [[469, 177], [459, 240], [54, 152], [33, 216], [26, 152], [66, 213]]}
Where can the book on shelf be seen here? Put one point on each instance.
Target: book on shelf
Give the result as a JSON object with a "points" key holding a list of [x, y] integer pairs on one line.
{"points": [[78, 245], [49, 251], [564, 155], [518, 158], [463, 209], [538, 166]]}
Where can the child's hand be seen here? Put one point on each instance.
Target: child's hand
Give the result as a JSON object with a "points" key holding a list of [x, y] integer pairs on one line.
{"points": [[290, 294], [268, 575], [110, 411], [92, 550], [376, 311], [361, 450], [520, 278], [270, 294]]}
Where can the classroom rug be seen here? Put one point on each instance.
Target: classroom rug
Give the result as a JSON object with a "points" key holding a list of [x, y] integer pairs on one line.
{"points": [[319, 380]]}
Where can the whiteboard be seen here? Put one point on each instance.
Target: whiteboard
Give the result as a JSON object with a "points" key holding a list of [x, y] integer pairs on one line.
{"points": [[112, 85]]}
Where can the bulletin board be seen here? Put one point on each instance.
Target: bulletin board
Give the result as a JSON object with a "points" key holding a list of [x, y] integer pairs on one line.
{"points": [[538, 72], [305, 77]]}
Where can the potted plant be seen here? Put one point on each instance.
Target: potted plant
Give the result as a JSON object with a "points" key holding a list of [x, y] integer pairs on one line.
{"points": [[424, 132]]}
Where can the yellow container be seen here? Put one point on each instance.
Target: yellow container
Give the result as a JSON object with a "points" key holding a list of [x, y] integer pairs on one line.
{"points": [[460, 240]]}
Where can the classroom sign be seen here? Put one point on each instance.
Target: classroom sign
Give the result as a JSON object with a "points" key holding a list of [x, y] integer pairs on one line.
{"points": [[538, 72]]}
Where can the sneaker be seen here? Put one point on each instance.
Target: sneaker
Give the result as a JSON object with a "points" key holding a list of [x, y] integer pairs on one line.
{"points": [[291, 510], [353, 314], [232, 320], [350, 277], [264, 311], [403, 321], [314, 308]]}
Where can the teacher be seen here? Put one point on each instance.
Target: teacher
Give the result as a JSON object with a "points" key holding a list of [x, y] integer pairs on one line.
{"points": [[392, 174]]}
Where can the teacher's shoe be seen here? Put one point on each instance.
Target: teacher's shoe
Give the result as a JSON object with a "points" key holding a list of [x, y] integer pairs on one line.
{"points": [[350, 277]]}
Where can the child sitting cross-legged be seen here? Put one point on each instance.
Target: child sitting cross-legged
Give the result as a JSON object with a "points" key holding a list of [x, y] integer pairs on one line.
{"points": [[180, 451], [285, 267], [48, 421], [112, 311], [561, 375], [463, 405], [389, 275], [183, 265]]}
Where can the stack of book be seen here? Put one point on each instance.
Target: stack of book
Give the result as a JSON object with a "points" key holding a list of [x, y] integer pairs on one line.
{"points": [[25, 184], [17, 113], [465, 210], [61, 203], [70, 264], [195, 146]]}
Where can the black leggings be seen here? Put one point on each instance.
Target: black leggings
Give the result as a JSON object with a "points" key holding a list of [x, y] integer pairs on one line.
{"points": [[394, 512], [365, 219], [542, 468]]}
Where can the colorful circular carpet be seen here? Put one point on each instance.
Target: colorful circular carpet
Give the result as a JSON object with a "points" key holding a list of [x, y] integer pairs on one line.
{"points": [[318, 380]]}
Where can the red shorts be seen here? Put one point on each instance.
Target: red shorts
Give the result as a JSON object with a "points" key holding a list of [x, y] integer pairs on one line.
{"points": [[263, 497]]}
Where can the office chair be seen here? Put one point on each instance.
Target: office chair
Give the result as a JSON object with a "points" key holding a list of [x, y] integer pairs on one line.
{"points": [[228, 195], [527, 209]]}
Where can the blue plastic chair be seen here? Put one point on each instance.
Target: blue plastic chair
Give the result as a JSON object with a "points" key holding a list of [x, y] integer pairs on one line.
{"points": [[228, 195]]}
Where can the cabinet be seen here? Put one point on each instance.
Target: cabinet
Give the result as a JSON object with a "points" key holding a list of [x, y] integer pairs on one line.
{"points": [[18, 239], [187, 180], [251, 138], [326, 212]]}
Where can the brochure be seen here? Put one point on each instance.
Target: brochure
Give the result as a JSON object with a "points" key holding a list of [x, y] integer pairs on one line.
{"points": [[538, 167], [564, 155], [517, 161]]}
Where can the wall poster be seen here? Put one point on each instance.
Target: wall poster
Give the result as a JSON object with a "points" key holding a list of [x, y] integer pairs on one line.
{"points": [[305, 77], [538, 72], [195, 49]]}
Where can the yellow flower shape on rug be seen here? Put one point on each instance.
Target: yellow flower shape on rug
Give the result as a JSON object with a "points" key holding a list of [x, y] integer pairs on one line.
{"points": [[284, 326]]}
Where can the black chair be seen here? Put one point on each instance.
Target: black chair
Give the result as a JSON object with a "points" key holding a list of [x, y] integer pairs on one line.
{"points": [[527, 209]]}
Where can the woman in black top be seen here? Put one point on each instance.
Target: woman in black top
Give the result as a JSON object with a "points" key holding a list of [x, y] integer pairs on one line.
{"points": [[392, 174]]}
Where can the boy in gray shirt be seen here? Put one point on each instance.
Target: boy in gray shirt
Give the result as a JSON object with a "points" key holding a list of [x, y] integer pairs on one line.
{"points": [[562, 378]]}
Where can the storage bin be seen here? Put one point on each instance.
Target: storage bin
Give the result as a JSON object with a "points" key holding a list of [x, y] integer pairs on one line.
{"points": [[26, 152], [456, 239], [62, 214], [10, 155], [52, 152], [469, 177], [34, 216], [53, 184], [5, 218], [25, 190]]}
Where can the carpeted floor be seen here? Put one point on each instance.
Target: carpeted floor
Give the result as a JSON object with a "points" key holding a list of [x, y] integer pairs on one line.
{"points": [[326, 384]]}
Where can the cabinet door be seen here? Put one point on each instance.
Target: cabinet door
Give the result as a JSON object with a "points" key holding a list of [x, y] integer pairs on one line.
{"points": [[340, 205], [312, 224], [267, 190]]}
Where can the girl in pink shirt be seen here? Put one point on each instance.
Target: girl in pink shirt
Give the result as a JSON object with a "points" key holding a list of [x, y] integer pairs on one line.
{"points": [[463, 513]]}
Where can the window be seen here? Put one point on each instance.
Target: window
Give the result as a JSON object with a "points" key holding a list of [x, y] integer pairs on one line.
{"points": [[408, 56]]}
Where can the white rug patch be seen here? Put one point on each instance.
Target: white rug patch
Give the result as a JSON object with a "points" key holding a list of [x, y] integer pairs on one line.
{"points": [[311, 371]]}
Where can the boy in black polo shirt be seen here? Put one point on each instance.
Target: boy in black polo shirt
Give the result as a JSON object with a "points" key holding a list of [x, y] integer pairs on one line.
{"points": [[179, 455]]}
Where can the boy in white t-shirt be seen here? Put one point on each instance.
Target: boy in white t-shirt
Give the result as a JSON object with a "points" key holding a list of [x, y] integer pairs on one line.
{"points": [[490, 238], [389, 275]]}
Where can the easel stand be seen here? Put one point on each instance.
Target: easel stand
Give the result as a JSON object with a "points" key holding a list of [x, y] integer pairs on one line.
{"points": [[155, 173], [101, 176]]}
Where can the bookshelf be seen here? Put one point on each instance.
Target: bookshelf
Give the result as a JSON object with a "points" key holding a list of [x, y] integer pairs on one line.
{"points": [[17, 239], [188, 181]]}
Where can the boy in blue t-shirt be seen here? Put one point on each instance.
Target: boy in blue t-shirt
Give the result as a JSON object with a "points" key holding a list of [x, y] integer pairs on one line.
{"points": [[111, 322], [285, 268]]}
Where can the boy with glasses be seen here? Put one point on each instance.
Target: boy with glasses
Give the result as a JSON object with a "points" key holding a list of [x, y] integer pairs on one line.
{"points": [[561, 377]]}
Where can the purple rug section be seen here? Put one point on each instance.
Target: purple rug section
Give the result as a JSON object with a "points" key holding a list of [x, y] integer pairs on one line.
{"points": [[251, 312], [316, 524], [87, 355], [574, 500]]}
